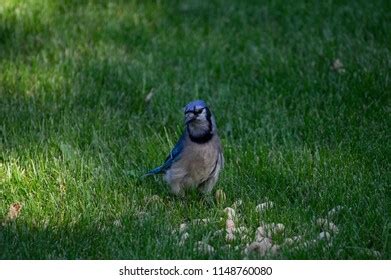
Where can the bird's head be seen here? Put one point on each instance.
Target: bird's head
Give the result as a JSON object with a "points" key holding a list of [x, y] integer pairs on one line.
{"points": [[199, 121]]}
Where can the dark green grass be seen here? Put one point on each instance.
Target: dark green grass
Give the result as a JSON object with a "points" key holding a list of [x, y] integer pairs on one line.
{"points": [[76, 133]]}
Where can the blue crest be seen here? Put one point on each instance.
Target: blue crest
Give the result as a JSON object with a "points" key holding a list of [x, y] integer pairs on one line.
{"points": [[195, 104]]}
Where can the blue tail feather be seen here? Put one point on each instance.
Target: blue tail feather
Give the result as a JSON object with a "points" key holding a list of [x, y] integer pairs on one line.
{"points": [[157, 170], [172, 157]]}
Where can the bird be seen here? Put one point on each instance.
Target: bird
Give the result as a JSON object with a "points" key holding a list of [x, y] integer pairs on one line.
{"points": [[197, 158]]}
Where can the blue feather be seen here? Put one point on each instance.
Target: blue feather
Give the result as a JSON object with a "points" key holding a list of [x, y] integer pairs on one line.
{"points": [[154, 171], [172, 157]]}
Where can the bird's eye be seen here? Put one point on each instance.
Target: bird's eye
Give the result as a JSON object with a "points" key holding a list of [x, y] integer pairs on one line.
{"points": [[198, 111]]}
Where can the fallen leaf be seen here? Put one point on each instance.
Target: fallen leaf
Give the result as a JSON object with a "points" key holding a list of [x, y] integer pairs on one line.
{"points": [[142, 215], [275, 249], [334, 211], [288, 241], [292, 241], [220, 197], [198, 222], [117, 223], [230, 237], [184, 238], [203, 247], [375, 253], [261, 247], [263, 206], [326, 225], [324, 235], [333, 228], [155, 199], [278, 228], [13, 212], [230, 225], [309, 243], [237, 203], [338, 66], [260, 233], [297, 238], [230, 213], [226, 247], [321, 222], [267, 230], [230, 229], [149, 96], [183, 228], [241, 229]]}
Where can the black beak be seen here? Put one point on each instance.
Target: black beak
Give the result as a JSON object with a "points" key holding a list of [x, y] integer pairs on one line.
{"points": [[190, 117]]}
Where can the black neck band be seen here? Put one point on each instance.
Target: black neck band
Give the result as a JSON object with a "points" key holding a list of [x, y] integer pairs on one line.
{"points": [[205, 137], [202, 138]]}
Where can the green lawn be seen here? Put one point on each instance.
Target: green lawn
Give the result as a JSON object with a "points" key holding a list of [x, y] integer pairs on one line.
{"points": [[76, 132]]}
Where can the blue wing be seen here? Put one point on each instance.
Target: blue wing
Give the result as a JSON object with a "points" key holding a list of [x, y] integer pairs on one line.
{"points": [[172, 157]]}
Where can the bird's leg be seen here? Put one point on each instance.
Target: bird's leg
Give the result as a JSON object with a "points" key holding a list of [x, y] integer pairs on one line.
{"points": [[177, 189], [206, 187], [207, 198], [205, 190]]}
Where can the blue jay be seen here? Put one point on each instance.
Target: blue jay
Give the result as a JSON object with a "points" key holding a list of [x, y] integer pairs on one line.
{"points": [[197, 158]]}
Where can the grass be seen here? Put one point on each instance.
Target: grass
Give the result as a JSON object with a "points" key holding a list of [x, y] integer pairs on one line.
{"points": [[76, 133]]}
